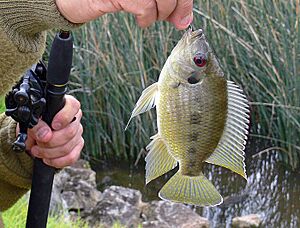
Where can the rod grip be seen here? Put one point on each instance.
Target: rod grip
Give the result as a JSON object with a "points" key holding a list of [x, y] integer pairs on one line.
{"points": [[59, 67]]}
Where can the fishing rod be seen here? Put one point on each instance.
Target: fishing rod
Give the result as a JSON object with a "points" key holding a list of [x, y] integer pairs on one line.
{"points": [[59, 67], [41, 92]]}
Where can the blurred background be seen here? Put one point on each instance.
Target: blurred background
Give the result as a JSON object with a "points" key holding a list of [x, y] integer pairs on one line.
{"points": [[258, 45]]}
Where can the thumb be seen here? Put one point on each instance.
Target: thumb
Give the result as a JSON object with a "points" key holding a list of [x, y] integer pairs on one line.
{"points": [[182, 16], [40, 132]]}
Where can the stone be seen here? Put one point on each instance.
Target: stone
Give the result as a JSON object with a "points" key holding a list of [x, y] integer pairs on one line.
{"points": [[247, 221], [74, 189], [166, 214], [118, 204]]}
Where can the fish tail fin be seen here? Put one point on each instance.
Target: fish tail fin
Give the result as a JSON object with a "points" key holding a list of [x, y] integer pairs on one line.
{"points": [[196, 190]]}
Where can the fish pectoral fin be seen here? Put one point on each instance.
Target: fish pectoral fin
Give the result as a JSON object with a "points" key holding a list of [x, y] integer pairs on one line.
{"points": [[145, 102], [229, 153], [158, 159], [195, 190]]}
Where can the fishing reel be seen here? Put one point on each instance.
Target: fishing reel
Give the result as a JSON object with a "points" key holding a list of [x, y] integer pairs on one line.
{"points": [[26, 102]]}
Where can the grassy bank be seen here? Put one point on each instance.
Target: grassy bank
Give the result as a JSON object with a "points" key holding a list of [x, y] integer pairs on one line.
{"points": [[15, 217], [258, 45]]}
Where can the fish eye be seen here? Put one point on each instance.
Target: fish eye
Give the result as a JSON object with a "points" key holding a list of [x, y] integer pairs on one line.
{"points": [[200, 60]]}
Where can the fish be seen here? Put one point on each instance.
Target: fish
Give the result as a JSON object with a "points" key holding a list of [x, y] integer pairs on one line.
{"points": [[201, 118]]}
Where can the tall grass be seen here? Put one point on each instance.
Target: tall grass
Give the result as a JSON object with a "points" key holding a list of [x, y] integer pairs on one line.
{"points": [[257, 42]]}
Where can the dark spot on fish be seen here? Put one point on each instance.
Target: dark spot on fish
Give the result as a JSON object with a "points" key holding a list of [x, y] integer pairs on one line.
{"points": [[194, 136], [195, 118], [192, 164], [192, 150]]}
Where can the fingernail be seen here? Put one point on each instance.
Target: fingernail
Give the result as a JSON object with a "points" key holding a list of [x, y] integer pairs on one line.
{"points": [[187, 20], [42, 133], [56, 125]]}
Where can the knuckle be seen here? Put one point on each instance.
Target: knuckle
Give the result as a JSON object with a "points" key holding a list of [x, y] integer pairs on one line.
{"points": [[66, 149], [150, 4], [80, 129], [73, 102], [187, 4], [146, 7], [73, 157], [71, 131], [81, 143], [79, 115], [76, 104]]}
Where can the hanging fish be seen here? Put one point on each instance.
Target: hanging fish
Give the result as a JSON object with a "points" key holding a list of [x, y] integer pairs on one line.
{"points": [[201, 118]]}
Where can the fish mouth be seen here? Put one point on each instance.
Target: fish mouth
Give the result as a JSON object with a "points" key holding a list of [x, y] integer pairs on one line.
{"points": [[195, 33]]}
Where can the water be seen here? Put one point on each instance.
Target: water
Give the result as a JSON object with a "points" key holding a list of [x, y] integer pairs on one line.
{"points": [[272, 191]]}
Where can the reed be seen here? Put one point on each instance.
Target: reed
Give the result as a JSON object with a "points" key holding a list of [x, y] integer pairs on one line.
{"points": [[256, 41]]}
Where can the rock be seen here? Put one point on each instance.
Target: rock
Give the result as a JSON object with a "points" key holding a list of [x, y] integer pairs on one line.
{"points": [[247, 221], [165, 214], [117, 204], [74, 189]]}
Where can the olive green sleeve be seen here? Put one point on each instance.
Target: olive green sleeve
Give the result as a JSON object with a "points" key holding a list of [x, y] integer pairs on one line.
{"points": [[15, 168], [24, 21]]}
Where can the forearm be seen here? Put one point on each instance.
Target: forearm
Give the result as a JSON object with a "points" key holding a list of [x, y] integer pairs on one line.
{"points": [[24, 20], [22, 35], [15, 168]]}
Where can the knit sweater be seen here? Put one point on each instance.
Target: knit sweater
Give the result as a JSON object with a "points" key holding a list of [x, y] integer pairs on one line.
{"points": [[22, 41]]}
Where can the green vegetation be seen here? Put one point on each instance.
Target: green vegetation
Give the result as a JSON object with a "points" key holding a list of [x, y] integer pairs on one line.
{"points": [[15, 217], [257, 42], [2, 105]]}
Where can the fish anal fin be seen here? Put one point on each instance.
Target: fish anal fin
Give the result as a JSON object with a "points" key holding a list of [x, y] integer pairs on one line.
{"points": [[194, 190], [145, 102], [229, 152], [158, 159]]}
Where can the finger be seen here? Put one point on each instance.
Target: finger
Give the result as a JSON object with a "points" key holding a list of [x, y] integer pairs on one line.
{"points": [[78, 11], [30, 142], [165, 8], [182, 16], [145, 11], [66, 115], [62, 136], [40, 132], [59, 151], [69, 159]]}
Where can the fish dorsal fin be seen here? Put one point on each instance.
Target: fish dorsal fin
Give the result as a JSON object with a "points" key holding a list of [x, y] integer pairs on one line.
{"points": [[145, 102], [158, 159], [229, 153]]}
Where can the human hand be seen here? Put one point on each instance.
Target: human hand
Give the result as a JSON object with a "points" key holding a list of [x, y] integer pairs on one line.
{"points": [[61, 146], [178, 12]]}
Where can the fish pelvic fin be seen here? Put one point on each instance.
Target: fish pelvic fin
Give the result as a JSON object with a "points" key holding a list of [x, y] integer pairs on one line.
{"points": [[229, 153], [158, 159], [194, 190]]}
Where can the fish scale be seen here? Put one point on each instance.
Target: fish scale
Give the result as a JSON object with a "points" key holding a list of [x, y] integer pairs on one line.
{"points": [[201, 118], [187, 109]]}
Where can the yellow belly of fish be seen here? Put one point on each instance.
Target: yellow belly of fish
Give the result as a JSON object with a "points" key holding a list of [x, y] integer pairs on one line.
{"points": [[191, 120]]}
